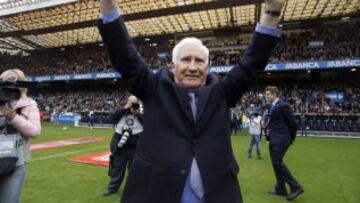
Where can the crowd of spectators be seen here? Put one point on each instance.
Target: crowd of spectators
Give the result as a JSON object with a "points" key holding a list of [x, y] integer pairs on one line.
{"points": [[331, 42], [81, 101], [309, 100], [303, 100], [58, 62], [320, 44]]}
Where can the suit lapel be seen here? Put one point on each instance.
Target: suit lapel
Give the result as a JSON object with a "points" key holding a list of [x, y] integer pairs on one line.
{"points": [[275, 108], [203, 94], [183, 98], [181, 95], [203, 97]]}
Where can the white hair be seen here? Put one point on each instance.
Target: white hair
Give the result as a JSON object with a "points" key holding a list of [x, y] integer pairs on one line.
{"points": [[189, 41]]}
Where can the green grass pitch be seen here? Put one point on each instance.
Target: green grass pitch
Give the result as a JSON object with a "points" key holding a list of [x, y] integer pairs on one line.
{"points": [[328, 168]]}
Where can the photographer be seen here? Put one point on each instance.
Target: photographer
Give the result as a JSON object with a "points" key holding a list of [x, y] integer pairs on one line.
{"points": [[19, 121], [128, 128]]}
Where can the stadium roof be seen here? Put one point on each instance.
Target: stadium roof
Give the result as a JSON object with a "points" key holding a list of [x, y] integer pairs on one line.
{"points": [[37, 24]]}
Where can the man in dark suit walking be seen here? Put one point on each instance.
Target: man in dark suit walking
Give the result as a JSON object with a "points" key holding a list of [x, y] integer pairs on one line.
{"points": [[185, 153], [282, 132]]}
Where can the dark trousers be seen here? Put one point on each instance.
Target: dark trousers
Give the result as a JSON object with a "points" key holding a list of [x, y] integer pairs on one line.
{"points": [[233, 128], [119, 160], [282, 173], [91, 122]]}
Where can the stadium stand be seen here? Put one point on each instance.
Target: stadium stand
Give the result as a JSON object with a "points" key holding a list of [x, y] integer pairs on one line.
{"points": [[335, 42], [311, 102]]}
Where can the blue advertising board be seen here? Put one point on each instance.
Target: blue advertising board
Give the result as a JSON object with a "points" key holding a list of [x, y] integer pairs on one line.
{"points": [[68, 118], [271, 67]]}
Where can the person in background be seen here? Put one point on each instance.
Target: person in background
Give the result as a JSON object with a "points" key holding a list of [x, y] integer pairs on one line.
{"points": [[263, 125], [254, 131], [19, 118], [91, 118], [282, 132], [234, 123]]}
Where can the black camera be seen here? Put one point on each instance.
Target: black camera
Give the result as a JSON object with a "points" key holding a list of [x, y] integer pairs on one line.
{"points": [[9, 94], [10, 91], [135, 106]]}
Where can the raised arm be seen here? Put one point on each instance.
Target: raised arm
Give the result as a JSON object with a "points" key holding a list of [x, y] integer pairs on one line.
{"points": [[253, 62], [122, 51]]}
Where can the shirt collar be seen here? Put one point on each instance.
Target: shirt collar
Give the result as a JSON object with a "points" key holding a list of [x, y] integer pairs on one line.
{"points": [[274, 102]]}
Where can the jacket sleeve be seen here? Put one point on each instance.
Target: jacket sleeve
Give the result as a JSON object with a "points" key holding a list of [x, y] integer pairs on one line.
{"points": [[125, 58], [141, 119], [290, 120], [244, 74], [28, 124], [115, 117]]}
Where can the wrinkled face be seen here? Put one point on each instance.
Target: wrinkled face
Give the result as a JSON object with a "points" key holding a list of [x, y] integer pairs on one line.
{"points": [[270, 98], [190, 69]]}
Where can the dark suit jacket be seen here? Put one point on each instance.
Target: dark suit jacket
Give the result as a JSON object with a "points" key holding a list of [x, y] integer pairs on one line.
{"points": [[282, 124], [171, 136]]}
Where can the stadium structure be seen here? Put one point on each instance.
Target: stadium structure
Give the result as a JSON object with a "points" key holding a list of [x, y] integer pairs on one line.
{"points": [[36, 33]]}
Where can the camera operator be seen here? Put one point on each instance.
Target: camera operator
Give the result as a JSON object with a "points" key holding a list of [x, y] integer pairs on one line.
{"points": [[19, 121], [128, 128]]}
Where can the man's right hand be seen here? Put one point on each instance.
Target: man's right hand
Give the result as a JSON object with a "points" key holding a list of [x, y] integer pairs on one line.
{"points": [[275, 5], [108, 5]]}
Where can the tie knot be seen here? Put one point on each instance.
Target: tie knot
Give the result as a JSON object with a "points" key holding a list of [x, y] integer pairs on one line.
{"points": [[192, 96]]}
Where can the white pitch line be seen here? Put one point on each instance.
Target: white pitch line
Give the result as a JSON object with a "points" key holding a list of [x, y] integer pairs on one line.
{"points": [[68, 153]]}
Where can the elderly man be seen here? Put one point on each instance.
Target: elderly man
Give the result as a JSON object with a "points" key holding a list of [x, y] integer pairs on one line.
{"points": [[185, 152]]}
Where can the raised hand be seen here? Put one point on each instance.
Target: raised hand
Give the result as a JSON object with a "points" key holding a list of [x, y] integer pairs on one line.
{"points": [[107, 5], [275, 5]]}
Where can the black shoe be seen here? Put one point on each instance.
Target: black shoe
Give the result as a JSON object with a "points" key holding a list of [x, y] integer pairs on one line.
{"points": [[109, 192], [259, 158], [273, 192], [294, 194]]}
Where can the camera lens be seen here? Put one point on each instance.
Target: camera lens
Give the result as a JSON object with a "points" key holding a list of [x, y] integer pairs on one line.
{"points": [[135, 106]]}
